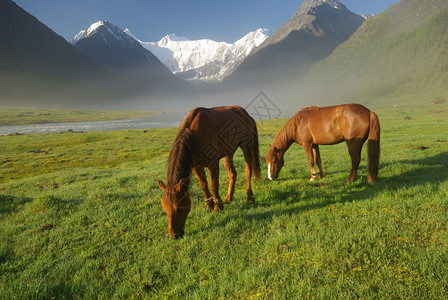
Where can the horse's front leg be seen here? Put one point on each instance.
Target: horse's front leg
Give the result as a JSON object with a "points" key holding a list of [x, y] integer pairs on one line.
{"points": [[214, 178], [308, 147], [200, 173], [318, 160], [228, 164]]}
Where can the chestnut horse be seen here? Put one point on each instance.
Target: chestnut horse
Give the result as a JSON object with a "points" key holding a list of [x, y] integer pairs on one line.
{"points": [[204, 137], [314, 126]]}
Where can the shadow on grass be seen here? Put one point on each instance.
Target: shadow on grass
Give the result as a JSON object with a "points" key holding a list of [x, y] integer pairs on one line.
{"points": [[433, 170], [10, 204]]}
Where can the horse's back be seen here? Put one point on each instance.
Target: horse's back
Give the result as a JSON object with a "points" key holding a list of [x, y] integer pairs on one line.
{"points": [[329, 113], [220, 129], [206, 119], [333, 124]]}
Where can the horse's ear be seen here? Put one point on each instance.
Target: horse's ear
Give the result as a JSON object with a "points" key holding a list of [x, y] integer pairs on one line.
{"points": [[180, 184], [161, 185]]}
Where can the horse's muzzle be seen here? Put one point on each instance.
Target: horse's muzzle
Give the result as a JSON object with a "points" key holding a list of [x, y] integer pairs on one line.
{"points": [[178, 235]]}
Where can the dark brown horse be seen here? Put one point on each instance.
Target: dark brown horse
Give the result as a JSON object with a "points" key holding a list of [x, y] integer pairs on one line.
{"points": [[314, 126], [204, 137]]}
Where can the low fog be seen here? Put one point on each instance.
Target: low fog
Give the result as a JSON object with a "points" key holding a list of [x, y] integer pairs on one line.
{"points": [[285, 94]]}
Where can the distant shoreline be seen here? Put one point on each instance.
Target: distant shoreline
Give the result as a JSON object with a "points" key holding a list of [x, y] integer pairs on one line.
{"points": [[33, 116], [161, 120]]}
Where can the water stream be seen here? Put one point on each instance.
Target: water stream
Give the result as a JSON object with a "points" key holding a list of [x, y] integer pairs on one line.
{"points": [[163, 120]]}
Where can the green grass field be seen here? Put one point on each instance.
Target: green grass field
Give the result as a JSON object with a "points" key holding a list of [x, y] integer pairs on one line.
{"points": [[24, 116], [81, 219]]}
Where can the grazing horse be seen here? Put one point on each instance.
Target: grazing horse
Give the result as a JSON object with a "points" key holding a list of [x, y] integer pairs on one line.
{"points": [[314, 126], [204, 137]]}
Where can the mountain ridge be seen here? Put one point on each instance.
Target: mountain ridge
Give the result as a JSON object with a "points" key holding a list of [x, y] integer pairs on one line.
{"points": [[39, 67], [388, 55], [310, 35], [114, 49], [204, 59]]}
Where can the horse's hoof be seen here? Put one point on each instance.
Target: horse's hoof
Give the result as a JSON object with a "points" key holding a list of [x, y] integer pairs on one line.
{"points": [[251, 200], [209, 202], [348, 181], [218, 206]]}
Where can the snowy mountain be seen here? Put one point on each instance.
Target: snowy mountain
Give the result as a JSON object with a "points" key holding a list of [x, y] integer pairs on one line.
{"points": [[203, 60], [112, 48], [107, 31], [38, 68]]}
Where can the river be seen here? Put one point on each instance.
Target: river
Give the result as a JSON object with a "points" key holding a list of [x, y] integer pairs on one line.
{"points": [[163, 120]]}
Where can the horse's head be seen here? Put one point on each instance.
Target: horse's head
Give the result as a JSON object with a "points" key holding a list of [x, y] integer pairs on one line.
{"points": [[274, 160], [176, 204]]}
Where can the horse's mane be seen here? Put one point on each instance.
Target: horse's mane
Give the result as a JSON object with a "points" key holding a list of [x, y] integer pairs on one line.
{"points": [[180, 159], [285, 136]]}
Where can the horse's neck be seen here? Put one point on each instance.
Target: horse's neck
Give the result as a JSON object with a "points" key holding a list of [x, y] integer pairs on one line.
{"points": [[286, 136], [180, 160]]}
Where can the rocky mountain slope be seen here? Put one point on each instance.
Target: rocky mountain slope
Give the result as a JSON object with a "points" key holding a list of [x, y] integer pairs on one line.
{"points": [[309, 36], [398, 53], [113, 49], [38, 67]]}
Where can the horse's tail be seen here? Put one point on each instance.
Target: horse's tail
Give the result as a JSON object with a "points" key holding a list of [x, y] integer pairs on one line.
{"points": [[373, 147], [252, 144], [255, 154]]}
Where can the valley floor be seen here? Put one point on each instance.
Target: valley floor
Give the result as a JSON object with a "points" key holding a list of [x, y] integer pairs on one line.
{"points": [[26, 116], [81, 218]]}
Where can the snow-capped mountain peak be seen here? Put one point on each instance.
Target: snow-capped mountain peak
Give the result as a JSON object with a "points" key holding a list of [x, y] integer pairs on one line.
{"points": [[77, 37], [108, 32], [204, 59], [252, 39], [114, 30], [128, 32], [172, 38], [335, 3], [94, 27]]}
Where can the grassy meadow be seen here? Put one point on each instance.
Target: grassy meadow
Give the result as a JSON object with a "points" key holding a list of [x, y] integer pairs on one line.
{"points": [[81, 218], [26, 116]]}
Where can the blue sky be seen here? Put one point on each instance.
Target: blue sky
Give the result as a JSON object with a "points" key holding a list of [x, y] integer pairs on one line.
{"points": [[150, 20]]}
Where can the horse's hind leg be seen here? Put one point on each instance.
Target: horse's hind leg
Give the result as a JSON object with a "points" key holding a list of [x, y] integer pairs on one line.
{"points": [[248, 171], [354, 149], [228, 164], [308, 147], [200, 173], [214, 178], [318, 160]]}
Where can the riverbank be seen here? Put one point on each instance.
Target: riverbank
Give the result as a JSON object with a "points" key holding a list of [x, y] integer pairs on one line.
{"points": [[30, 116], [155, 120]]}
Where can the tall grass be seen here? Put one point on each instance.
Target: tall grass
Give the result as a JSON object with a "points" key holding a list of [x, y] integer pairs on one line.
{"points": [[82, 219]]}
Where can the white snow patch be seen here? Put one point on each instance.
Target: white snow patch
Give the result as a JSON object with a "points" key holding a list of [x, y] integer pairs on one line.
{"points": [[180, 54]]}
